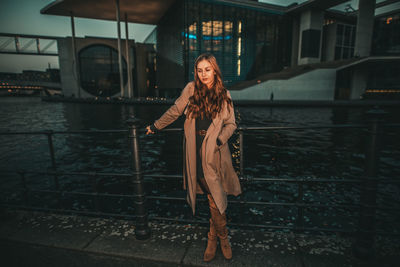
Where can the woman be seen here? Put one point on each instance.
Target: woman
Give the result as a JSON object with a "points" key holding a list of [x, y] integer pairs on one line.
{"points": [[210, 122]]}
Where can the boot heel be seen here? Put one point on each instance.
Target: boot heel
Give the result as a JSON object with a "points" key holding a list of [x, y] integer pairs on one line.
{"points": [[226, 248], [209, 253]]}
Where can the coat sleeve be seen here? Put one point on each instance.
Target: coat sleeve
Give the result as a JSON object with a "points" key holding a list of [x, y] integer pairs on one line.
{"points": [[176, 109], [228, 126]]}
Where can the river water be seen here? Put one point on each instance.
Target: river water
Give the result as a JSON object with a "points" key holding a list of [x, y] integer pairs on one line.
{"points": [[313, 153]]}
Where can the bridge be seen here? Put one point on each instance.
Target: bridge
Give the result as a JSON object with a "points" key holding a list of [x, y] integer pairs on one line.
{"points": [[27, 44], [33, 82]]}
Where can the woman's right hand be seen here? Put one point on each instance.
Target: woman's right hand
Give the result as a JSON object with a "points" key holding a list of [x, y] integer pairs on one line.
{"points": [[149, 131]]}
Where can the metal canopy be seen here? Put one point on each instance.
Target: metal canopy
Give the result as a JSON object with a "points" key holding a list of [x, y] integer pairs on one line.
{"points": [[137, 11], [314, 4]]}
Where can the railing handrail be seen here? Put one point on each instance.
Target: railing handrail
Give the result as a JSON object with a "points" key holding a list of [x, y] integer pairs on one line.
{"points": [[240, 128], [177, 176]]}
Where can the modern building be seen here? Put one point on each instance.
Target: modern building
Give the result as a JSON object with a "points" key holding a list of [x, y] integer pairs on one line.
{"points": [[105, 67], [335, 55], [247, 38], [306, 51], [97, 71]]}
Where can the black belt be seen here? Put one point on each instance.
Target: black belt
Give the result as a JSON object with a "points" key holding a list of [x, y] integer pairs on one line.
{"points": [[201, 132]]}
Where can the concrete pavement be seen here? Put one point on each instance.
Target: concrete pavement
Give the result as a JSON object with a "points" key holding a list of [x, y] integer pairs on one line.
{"points": [[40, 239]]}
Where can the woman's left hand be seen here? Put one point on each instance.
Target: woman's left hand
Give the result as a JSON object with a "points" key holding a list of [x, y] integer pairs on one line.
{"points": [[149, 131]]}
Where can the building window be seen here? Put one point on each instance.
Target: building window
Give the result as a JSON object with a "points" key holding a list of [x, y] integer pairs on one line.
{"points": [[310, 42], [99, 70], [386, 40], [245, 42], [345, 40]]}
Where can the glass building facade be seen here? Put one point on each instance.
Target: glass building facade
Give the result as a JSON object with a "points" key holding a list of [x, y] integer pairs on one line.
{"points": [[246, 41], [99, 70], [386, 39], [345, 41]]}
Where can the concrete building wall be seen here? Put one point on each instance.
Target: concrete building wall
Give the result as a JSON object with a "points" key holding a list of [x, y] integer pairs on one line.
{"points": [[295, 42], [170, 51], [142, 51], [358, 82], [329, 42], [68, 74], [69, 83], [365, 23], [314, 85], [310, 19]]}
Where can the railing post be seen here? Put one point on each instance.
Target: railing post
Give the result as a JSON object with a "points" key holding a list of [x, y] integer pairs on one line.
{"points": [[364, 244], [142, 230]]}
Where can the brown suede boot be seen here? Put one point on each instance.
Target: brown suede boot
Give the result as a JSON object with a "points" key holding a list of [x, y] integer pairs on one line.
{"points": [[219, 221], [209, 254], [222, 233]]}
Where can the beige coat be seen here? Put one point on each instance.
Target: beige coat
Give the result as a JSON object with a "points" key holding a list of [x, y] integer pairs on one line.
{"points": [[219, 174]]}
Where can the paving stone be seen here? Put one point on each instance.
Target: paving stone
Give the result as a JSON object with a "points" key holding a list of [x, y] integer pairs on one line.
{"points": [[50, 229], [167, 243]]}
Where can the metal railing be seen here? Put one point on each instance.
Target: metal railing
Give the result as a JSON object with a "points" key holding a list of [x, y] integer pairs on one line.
{"points": [[366, 229]]}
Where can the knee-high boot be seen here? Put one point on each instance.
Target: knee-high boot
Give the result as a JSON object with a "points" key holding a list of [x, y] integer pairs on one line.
{"points": [[209, 254], [219, 221]]}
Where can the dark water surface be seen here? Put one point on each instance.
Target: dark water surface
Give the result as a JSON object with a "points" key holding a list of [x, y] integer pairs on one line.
{"points": [[313, 153]]}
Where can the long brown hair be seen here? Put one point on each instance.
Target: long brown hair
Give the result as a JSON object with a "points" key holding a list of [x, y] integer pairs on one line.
{"points": [[208, 102]]}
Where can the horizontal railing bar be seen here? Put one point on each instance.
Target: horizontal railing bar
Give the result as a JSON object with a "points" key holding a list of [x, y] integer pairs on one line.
{"points": [[69, 173], [290, 204], [302, 180], [163, 176], [65, 132], [241, 128], [242, 179], [90, 131], [159, 218], [81, 193], [320, 180], [302, 204], [69, 211], [257, 128]]}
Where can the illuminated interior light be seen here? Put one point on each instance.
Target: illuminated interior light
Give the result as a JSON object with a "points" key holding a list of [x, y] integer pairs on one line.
{"points": [[239, 48]]}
